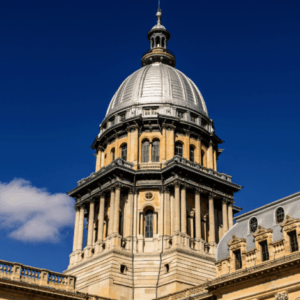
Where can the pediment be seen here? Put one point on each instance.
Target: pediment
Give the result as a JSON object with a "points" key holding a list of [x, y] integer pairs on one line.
{"points": [[261, 230], [236, 240], [289, 220]]}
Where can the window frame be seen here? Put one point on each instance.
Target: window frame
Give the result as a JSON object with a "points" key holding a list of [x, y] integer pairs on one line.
{"points": [[265, 255], [113, 154], [155, 150], [192, 150], [122, 117], [293, 234], [149, 227], [178, 143], [238, 259], [250, 225], [180, 114], [124, 149], [145, 152], [282, 215]]}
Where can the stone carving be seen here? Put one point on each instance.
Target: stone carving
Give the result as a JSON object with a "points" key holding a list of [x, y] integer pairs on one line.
{"points": [[283, 296]]}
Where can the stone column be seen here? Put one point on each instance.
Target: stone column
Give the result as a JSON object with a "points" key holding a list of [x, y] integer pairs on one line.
{"points": [[129, 214], [101, 218], [170, 144], [198, 151], [197, 214], [98, 160], [224, 214], [212, 235], [111, 212], [77, 215], [91, 223], [141, 223], [183, 209], [215, 159], [177, 208], [80, 229], [135, 145], [155, 224], [163, 144], [172, 213], [210, 158], [161, 212], [117, 210], [167, 223], [230, 214], [135, 221], [129, 147]]}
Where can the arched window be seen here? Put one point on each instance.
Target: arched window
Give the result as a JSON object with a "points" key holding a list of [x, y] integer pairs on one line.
{"points": [[155, 151], [192, 153], [178, 149], [152, 43], [113, 154], [157, 41], [145, 151], [149, 224], [124, 152], [253, 225], [279, 215], [163, 42]]}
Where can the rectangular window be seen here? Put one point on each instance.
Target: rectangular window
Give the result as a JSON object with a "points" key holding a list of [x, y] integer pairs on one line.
{"points": [[180, 114], [193, 118], [238, 259], [112, 121], [122, 117], [154, 111], [147, 112], [204, 123], [264, 251], [293, 241]]}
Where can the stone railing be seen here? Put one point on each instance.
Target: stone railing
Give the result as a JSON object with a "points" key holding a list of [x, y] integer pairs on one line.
{"points": [[185, 294], [278, 248], [117, 162], [31, 275], [184, 161]]}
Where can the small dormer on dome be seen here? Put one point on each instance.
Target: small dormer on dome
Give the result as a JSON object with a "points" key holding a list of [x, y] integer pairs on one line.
{"points": [[158, 37]]}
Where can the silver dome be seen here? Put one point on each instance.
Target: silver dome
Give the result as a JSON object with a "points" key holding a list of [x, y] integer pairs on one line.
{"points": [[158, 83]]}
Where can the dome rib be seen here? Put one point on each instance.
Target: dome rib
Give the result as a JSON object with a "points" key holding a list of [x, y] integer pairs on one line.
{"points": [[160, 84]]}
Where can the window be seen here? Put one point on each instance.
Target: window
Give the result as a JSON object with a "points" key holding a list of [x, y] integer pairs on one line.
{"points": [[167, 267], [122, 117], [112, 121], [180, 114], [145, 151], [150, 111], [149, 224], [293, 241], [124, 152], [204, 123], [123, 269], [264, 251], [238, 259], [178, 149], [157, 41], [113, 154], [279, 215], [253, 225], [192, 153], [155, 151], [193, 118], [202, 157]]}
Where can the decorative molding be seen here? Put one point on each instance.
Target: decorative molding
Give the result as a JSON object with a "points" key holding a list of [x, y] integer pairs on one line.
{"points": [[236, 240], [262, 231]]}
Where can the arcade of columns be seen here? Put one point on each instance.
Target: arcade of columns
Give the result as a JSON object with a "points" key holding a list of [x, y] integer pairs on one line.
{"points": [[170, 222]]}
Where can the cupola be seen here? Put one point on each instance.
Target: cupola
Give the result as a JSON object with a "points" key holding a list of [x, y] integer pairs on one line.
{"points": [[158, 52]]}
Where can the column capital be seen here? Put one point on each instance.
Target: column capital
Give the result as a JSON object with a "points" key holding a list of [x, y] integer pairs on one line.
{"points": [[100, 148], [132, 191], [199, 138], [230, 202], [211, 195], [198, 191], [211, 142], [92, 200], [117, 186], [176, 183]]}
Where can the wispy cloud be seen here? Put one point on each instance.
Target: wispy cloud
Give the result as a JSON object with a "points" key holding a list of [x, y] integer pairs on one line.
{"points": [[29, 213]]}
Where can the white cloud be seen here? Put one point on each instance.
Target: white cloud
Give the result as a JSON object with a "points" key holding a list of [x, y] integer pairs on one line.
{"points": [[33, 214]]}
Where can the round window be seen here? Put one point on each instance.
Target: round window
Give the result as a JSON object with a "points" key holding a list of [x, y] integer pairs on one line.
{"points": [[253, 225], [149, 196], [279, 215]]}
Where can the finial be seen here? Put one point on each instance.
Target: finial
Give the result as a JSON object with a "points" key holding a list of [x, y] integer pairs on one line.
{"points": [[158, 5], [159, 16]]}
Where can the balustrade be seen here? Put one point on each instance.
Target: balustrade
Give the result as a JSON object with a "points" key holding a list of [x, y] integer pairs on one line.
{"points": [[42, 277]]}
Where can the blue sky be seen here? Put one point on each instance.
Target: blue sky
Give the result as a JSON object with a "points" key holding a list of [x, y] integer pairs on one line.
{"points": [[62, 61]]}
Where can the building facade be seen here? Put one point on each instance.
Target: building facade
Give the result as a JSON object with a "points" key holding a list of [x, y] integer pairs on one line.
{"points": [[258, 258], [156, 206]]}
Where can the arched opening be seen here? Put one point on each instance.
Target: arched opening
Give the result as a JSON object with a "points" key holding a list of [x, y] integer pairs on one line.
{"points": [[279, 215], [163, 44], [145, 151], [149, 223], [152, 43], [124, 152], [157, 41], [192, 153], [155, 151], [178, 149], [112, 154]]}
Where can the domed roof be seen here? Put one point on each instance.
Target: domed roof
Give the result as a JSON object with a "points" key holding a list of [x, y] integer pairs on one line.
{"points": [[158, 83]]}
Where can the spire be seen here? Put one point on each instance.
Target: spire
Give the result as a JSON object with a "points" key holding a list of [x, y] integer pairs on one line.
{"points": [[158, 37]]}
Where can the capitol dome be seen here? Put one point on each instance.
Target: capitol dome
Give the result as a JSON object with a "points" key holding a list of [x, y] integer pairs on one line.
{"points": [[161, 84]]}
